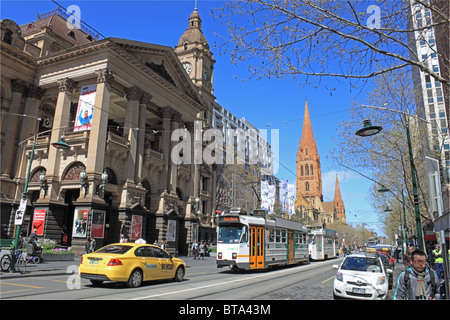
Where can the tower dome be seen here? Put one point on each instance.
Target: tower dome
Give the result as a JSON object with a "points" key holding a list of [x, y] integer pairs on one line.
{"points": [[193, 33]]}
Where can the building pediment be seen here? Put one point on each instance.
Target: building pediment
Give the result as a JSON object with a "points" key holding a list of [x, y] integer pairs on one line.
{"points": [[164, 62]]}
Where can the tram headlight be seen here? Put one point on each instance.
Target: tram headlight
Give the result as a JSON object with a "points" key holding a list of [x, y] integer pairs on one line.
{"points": [[234, 255]]}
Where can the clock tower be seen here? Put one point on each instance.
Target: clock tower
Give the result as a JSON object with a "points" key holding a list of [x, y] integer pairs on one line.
{"points": [[195, 56]]}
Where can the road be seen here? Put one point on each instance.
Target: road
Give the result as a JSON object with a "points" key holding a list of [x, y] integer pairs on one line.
{"points": [[203, 281]]}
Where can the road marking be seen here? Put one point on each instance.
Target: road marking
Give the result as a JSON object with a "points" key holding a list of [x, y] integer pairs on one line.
{"points": [[274, 274], [3, 292], [328, 279], [21, 285]]}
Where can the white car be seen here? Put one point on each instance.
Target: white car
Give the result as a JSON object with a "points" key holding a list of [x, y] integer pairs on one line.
{"points": [[361, 276]]}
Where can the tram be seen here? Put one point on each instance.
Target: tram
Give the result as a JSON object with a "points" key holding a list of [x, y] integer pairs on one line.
{"points": [[256, 242], [323, 244]]}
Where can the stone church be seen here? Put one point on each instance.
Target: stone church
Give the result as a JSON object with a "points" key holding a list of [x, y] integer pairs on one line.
{"points": [[309, 199]]}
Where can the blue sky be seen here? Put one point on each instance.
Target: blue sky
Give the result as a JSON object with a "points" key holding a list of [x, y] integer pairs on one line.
{"points": [[267, 104]]}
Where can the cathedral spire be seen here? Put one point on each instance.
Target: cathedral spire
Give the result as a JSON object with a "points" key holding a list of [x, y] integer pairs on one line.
{"points": [[307, 133], [337, 191]]}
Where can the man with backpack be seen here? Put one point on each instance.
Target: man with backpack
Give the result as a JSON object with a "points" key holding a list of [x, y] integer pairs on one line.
{"points": [[417, 282]]}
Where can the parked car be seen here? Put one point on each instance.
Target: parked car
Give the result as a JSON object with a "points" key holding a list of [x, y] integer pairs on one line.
{"points": [[361, 276]]}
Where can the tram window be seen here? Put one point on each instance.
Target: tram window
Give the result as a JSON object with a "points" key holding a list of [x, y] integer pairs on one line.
{"points": [[283, 236], [278, 236], [231, 234], [271, 235]]}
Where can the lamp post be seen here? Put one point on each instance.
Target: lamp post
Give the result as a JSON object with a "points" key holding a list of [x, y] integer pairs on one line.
{"points": [[61, 144], [369, 130]]}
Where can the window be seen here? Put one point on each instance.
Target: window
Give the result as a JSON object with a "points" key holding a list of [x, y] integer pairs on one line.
{"points": [[8, 36], [306, 170], [311, 169], [307, 186]]}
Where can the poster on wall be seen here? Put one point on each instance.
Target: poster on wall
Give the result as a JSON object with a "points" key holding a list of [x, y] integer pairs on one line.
{"points": [[171, 230], [39, 221], [80, 222], [194, 232], [98, 224], [83, 119], [136, 227]]}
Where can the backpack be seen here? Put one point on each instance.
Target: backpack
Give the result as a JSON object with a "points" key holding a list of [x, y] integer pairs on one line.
{"points": [[433, 281]]}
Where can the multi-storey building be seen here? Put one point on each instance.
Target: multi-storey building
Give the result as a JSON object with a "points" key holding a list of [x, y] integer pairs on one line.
{"points": [[116, 102], [242, 143], [432, 97]]}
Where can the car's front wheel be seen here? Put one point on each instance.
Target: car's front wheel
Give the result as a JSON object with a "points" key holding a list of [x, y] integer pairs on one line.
{"points": [[179, 274], [135, 279]]}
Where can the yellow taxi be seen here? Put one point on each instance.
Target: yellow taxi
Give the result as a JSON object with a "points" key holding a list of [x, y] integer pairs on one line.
{"points": [[132, 263]]}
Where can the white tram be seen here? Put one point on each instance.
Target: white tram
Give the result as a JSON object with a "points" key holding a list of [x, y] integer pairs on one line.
{"points": [[256, 242], [323, 244]]}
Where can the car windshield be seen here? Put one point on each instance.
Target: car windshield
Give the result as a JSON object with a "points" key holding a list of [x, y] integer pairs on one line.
{"points": [[367, 264], [116, 248]]}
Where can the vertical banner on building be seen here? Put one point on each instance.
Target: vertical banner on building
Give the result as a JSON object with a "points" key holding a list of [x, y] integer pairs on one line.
{"points": [[39, 221], [80, 222], [291, 199], [85, 109], [98, 224], [264, 195], [136, 227], [271, 198], [171, 230]]}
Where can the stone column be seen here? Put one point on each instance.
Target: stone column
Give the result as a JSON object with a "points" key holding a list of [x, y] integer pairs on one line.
{"points": [[29, 124], [61, 119], [131, 128], [145, 100], [167, 113], [9, 126], [99, 129], [173, 168]]}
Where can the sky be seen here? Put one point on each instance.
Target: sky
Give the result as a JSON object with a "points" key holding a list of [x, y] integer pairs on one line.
{"points": [[266, 104]]}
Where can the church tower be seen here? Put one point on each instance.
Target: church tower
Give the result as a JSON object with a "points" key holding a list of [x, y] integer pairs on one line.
{"points": [[339, 208], [196, 57], [309, 175]]}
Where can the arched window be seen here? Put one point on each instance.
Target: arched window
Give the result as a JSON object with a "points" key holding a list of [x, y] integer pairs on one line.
{"points": [[301, 170], [306, 170], [307, 186], [8, 36], [311, 169]]}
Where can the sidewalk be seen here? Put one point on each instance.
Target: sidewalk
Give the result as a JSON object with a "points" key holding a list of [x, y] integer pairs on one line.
{"points": [[43, 269], [54, 268]]}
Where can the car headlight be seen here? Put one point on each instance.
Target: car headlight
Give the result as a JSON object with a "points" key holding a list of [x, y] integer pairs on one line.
{"points": [[339, 276], [381, 280]]}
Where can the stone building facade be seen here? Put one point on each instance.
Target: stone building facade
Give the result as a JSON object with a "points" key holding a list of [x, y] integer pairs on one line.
{"points": [[117, 176]]}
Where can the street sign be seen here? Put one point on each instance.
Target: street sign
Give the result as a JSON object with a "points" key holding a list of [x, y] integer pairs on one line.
{"points": [[20, 212]]}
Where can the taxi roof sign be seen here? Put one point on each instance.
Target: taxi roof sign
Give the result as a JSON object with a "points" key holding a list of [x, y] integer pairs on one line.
{"points": [[371, 250]]}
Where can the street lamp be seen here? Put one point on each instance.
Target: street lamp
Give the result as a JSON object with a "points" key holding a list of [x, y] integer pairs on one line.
{"points": [[369, 130], [61, 144], [83, 181]]}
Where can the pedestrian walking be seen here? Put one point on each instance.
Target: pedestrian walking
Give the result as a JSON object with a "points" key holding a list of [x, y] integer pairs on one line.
{"points": [[92, 245], [407, 257], [194, 249], [438, 261], [202, 250], [417, 282]]}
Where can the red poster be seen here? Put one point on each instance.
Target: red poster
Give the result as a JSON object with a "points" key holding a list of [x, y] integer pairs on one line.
{"points": [[136, 227], [38, 221], [98, 224]]}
